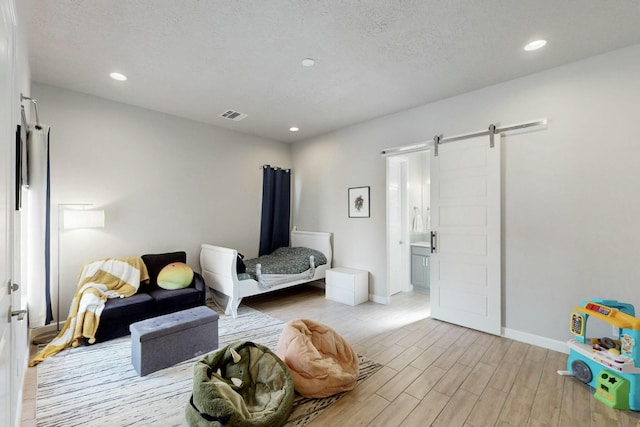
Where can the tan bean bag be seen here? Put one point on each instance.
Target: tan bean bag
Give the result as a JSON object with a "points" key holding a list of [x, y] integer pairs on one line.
{"points": [[320, 361]]}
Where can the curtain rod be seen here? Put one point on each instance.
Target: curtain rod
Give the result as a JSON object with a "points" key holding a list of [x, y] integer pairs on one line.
{"points": [[35, 108], [491, 130], [275, 167]]}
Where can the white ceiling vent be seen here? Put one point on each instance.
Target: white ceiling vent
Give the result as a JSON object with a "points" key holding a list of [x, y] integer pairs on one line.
{"points": [[233, 115]]}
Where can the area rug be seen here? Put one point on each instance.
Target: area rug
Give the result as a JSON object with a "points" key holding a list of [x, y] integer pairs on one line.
{"points": [[97, 385]]}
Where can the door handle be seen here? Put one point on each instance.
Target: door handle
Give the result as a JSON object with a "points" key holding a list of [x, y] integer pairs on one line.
{"points": [[434, 241], [17, 313]]}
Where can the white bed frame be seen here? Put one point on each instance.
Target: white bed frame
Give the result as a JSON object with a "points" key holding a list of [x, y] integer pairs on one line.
{"points": [[218, 266]]}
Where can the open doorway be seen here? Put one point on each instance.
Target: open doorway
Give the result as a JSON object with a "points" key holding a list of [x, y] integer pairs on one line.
{"points": [[408, 219]]}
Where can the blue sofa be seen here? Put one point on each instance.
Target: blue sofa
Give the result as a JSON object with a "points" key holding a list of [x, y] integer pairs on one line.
{"points": [[150, 300]]}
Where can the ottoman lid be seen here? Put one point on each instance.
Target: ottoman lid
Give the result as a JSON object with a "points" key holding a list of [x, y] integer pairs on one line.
{"points": [[172, 322]]}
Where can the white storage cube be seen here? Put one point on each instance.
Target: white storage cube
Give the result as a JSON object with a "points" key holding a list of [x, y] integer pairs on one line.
{"points": [[347, 285]]}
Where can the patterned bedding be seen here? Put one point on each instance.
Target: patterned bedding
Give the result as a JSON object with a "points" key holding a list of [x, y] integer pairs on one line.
{"points": [[284, 261]]}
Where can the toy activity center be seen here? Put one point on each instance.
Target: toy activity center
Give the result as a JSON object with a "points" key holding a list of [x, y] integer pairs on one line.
{"points": [[610, 365]]}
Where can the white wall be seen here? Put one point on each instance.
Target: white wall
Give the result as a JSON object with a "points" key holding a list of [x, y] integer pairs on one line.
{"points": [[164, 182], [571, 194]]}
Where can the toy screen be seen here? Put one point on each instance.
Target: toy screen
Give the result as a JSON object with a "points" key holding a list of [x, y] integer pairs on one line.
{"points": [[599, 329]]}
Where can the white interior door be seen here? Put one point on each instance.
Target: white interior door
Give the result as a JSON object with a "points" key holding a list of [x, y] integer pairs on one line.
{"points": [[397, 226], [6, 208], [465, 216]]}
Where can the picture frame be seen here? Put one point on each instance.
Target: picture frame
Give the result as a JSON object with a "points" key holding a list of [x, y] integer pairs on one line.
{"points": [[359, 203]]}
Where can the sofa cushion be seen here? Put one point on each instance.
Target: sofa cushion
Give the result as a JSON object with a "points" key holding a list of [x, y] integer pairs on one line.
{"points": [[117, 308], [167, 301], [156, 262]]}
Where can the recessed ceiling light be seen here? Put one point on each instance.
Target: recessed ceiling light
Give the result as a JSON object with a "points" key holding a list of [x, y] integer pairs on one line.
{"points": [[308, 62], [535, 45], [118, 76], [293, 129]]}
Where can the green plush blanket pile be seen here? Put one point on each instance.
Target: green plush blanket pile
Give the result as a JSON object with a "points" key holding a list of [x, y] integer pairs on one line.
{"points": [[285, 261], [243, 384]]}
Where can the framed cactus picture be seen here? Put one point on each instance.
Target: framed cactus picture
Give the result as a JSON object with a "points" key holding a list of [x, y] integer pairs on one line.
{"points": [[359, 202]]}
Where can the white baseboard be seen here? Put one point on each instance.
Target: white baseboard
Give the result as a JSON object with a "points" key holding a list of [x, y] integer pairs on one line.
{"points": [[379, 299], [41, 330], [43, 334], [525, 337]]}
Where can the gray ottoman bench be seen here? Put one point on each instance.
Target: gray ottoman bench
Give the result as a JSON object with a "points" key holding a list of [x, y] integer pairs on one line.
{"points": [[163, 341]]}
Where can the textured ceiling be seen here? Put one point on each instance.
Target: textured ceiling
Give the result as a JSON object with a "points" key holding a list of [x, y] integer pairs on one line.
{"points": [[198, 58]]}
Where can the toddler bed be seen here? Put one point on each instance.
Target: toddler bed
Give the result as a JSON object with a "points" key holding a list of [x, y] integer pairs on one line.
{"points": [[219, 269]]}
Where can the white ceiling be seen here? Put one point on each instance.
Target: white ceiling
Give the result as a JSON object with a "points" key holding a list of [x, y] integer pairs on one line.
{"points": [[198, 58]]}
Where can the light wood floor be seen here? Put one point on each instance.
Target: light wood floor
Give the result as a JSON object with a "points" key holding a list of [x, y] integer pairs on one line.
{"points": [[438, 374], [435, 373]]}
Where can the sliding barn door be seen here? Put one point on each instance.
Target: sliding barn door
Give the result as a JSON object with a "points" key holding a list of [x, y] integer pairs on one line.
{"points": [[465, 221]]}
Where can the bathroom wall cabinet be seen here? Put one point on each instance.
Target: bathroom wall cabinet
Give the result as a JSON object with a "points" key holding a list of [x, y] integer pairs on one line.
{"points": [[420, 267]]}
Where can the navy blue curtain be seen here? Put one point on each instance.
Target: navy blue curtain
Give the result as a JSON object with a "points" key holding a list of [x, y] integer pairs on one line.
{"points": [[47, 245], [276, 202]]}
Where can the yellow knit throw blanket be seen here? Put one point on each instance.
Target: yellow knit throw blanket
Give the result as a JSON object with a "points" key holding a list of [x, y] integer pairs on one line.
{"points": [[99, 280]]}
